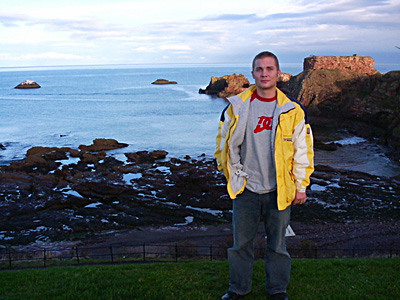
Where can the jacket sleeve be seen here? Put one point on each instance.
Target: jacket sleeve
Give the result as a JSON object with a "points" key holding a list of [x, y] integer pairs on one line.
{"points": [[220, 147], [303, 159]]}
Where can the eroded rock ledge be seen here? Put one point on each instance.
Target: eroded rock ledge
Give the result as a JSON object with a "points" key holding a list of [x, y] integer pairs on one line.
{"points": [[64, 194]]}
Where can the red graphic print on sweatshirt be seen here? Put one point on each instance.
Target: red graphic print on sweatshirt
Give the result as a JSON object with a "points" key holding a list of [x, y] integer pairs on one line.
{"points": [[264, 123]]}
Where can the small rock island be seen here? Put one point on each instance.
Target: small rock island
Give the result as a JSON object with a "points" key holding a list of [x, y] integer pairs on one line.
{"points": [[164, 81], [28, 84]]}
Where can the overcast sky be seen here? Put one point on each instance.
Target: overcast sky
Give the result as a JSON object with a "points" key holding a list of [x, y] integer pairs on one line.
{"points": [[85, 32]]}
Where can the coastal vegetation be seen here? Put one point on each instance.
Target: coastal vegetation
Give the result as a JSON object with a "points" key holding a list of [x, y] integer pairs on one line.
{"points": [[330, 279]]}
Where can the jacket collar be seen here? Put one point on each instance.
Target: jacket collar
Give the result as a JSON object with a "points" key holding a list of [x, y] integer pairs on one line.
{"points": [[283, 102]]}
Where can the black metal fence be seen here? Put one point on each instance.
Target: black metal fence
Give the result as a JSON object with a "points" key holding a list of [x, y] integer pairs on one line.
{"points": [[11, 258]]}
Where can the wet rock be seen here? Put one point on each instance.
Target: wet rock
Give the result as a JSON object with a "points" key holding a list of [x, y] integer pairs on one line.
{"points": [[92, 158], [33, 163], [164, 81], [103, 145], [325, 146], [28, 84], [104, 191], [49, 153], [86, 198], [146, 156], [158, 154]]}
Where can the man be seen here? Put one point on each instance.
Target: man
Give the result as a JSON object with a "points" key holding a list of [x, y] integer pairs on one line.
{"points": [[265, 150]]}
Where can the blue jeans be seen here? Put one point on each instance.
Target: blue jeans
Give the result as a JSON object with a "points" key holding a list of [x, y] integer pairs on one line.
{"points": [[248, 210]]}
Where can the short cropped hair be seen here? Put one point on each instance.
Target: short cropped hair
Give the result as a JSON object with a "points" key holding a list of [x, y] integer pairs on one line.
{"points": [[263, 55]]}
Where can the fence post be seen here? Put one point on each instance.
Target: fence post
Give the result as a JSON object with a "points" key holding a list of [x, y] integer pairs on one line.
{"points": [[44, 257], [77, 254], [211, 252], [112, 255], [144, 252], [9, 257]]}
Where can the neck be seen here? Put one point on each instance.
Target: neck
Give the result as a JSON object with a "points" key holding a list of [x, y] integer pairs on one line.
{"points": [[266, 93]]}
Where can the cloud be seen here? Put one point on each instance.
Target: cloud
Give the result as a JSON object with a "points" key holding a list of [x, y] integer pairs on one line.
{"points": [[51, 55], [227, 31], [357, 14], [12, 20], [144, 49], [47, 56], [175, 47], [232, 17]]}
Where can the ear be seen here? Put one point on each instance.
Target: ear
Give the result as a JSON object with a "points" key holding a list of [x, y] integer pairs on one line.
{"points": [[252, 74]]}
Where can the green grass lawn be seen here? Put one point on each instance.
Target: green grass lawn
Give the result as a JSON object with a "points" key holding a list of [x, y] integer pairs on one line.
{"points": [[336, 279]]}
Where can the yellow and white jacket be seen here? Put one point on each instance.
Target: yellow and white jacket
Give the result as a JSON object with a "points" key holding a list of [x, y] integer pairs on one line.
{"points": [[292, 146]]}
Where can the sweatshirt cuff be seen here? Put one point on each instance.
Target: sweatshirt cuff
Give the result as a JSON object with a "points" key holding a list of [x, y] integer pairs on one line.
{"points": [[301, 188]]}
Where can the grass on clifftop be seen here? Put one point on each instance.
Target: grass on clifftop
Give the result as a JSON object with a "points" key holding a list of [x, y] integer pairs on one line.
{"points": [[335, 279]]}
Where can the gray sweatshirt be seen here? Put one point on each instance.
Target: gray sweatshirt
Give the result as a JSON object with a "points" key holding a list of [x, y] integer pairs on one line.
{"points": [[256, 152]]}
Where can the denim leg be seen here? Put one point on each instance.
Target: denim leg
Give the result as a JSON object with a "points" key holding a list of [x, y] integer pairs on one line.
{"points": [[277, 261], [245, 220]]}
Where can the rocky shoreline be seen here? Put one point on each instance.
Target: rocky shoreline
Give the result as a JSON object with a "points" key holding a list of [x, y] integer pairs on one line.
{"points": [[340, 92], [86, 195]]}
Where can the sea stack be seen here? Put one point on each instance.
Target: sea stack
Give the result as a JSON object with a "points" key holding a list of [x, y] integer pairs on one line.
{"points": [[28, 84], [164, 81]]}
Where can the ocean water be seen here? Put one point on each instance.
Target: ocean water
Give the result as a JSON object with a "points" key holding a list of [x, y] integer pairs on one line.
{"points": [[76, 105]]}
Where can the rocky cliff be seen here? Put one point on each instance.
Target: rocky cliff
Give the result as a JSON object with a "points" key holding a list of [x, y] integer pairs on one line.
{"points": [[368, 105], [355, 63], [339, 92], [226, 86]]}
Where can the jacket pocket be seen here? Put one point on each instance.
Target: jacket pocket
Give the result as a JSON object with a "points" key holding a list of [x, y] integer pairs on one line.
{"points": [[237, 183], [288, 151]]}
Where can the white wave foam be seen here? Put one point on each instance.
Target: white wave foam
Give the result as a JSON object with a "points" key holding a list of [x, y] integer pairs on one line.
{"points": [[351, 141]]}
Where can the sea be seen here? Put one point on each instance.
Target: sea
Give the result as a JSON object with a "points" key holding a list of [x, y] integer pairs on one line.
{"points": [[77, 104]]}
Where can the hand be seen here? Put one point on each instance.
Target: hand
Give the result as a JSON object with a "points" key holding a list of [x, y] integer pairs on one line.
{"points": [[300, 198]]}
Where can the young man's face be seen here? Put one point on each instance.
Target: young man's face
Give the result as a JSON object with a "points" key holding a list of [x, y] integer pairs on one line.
{"points": [[265, 73]]}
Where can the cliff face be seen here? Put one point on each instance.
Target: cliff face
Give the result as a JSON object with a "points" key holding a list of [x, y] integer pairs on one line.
{"points": [[369, 105], [347, 92], [340, 92], [226, 86], [355, 63]]}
